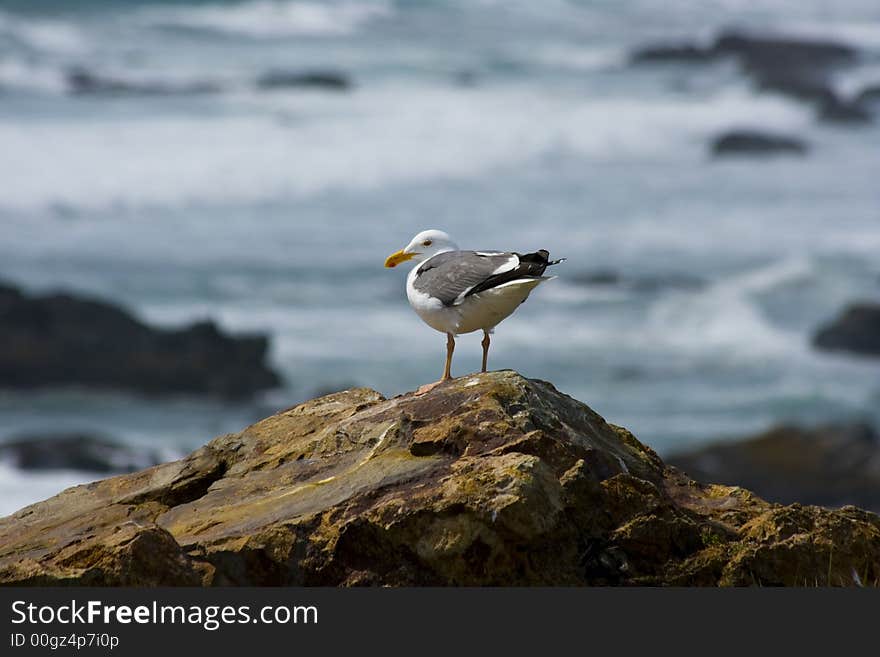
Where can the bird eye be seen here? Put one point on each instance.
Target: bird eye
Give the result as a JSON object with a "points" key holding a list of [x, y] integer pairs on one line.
{"points": [[426, 243]]}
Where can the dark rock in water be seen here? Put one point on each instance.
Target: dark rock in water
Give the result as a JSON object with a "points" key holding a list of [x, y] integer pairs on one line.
{"points": [[667, 281], [868, 96], [817, 90], [61, 339], [639, 283], [673, 53], [856, 330], [831, 465], [842, 111], [764, 52], [798, 68], [752, 142], [74, 451], [83, 82], [795, 67], [804, 87], [329, 80], [757, 53], [489, 479]]}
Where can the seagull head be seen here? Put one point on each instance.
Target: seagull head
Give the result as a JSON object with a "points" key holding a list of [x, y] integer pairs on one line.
{"points": [[426, 244]]}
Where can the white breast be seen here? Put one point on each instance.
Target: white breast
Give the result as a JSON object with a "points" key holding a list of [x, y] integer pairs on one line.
{"points": [[484, 310], [432, 311]]}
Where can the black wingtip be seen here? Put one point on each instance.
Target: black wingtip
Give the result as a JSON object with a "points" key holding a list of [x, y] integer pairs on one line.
{"points": [[540, 260], [544, 255]]}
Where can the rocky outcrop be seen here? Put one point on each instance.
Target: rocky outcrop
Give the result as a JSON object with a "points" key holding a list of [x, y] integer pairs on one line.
{"points": [[753, 142], [83, 82], [838, 110], [327, 80], [676, 53], [794, 67], [646, 283], [856, 330], [766, 50], [830, 465], [75, 451], [869, 95], [489, 479], [61, 339], [759, 52]]}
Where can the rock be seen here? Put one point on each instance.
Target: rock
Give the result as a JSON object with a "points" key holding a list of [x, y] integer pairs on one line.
{"points": [[843, 111], [641, 283], [329, 80], [684, 53], [755, 52], [807, 87], [489, 479], [769, 52], [83, 82], [61, 339], [868, 96], [797, 68], [670, 280], [75, 451], [830, 465], [857, 330], [794, 67], [752, 142]]}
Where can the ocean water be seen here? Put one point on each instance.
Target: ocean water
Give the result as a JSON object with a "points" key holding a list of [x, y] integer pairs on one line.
{"points": [[512, 125]]}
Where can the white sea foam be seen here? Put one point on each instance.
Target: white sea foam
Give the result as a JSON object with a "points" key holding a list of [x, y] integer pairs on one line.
{"points": [[577, 58], [771, 276], [720, 323], [20, 74], [307, 143], [54, 36], [269, 18], [725, 316]]}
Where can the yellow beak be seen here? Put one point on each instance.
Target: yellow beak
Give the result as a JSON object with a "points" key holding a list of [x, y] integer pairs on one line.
{"points": [[397, 257]]}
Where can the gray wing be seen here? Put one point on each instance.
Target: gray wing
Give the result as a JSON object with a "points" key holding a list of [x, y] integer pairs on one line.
{"points": [[451, 276]]}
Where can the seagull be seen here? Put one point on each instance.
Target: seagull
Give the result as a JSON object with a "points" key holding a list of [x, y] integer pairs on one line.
{"points": [[456, 291]]}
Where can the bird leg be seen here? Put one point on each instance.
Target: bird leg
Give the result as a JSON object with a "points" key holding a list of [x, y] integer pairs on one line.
{"points": [[485, 344], [450, 347]]}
